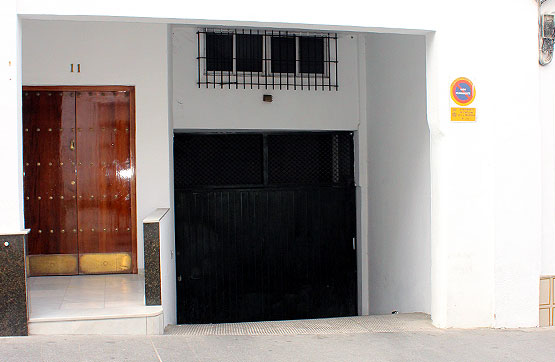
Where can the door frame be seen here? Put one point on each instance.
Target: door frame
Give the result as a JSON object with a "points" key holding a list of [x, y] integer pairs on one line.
{"points": [[132, 129]]}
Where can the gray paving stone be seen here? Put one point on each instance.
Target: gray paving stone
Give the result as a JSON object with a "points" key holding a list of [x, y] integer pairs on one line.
{"points": [[418, 345]]}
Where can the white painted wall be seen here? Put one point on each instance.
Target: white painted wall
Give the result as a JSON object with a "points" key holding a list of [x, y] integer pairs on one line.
{"points": [[11, 183], [202, 108], [399, 254], [113, 54], [167, 269], [486, 177], [547, 114]]}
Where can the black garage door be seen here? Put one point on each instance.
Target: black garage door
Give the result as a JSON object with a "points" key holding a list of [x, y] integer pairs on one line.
{"points": [[265, 226]]}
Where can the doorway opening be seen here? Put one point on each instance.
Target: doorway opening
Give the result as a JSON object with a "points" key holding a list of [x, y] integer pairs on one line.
{"points": [[79, 179], [265, 226]]}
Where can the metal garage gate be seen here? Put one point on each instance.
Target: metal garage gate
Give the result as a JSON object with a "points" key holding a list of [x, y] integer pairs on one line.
{"points": [[265, 226]]}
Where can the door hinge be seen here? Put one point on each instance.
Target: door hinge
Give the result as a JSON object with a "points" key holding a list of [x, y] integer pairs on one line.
{"points": [[354, 244], [179, 278]]}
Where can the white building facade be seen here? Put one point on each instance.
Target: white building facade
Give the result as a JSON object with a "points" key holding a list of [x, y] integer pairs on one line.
{"points": [[454, 219]]}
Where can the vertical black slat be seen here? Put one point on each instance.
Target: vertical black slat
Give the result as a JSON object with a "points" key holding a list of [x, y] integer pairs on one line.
{"points": [[189, 255], [328, 61], [266, 61], [222, 47], [258, 73], [320, 273], [214, 79], [198, 57], [263, 247], [312, 243], [206, 59], [307, 75], [323, 62], [272, 56], [218, 255], [245, 255], [230, 255], [271, 255], [281, 59], [187, 250], [295, 62], [267, 259], [209, 265], [298, 55], [290, 250], [240, 256], [305, 239], [236, 262], [256, 244], [224, 251], [233, 62], [195, 270], [192, 294], [247, 280], [287, 57], [244, 72], [209, 255], [336, 61], [313, 62], [204, 306], [218, 270], [232, 300], [251, 51], [265, 158]]}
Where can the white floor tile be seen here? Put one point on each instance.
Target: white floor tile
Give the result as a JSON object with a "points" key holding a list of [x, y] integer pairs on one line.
{"points": [[85, 295], [82, 305]]}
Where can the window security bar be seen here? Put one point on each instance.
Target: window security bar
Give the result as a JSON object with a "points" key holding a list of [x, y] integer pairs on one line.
{"points": [[266, 59]]}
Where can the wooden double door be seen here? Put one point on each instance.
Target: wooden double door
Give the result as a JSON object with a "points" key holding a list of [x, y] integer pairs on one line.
{"points": [[79, 179]]}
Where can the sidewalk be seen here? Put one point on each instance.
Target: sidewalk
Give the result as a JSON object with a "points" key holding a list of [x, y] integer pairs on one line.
{"points": [[424, 344]]}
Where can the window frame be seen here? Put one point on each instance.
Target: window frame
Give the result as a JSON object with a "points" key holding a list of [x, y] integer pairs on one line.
{"points": [[266, 79], [267, 56]]}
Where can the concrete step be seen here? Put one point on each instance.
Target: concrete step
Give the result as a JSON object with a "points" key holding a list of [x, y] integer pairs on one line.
{"points": [[137, 320]]}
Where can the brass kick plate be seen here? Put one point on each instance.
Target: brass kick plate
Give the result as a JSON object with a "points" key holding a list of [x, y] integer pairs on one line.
{"points": [[52, 264], [104, 263]]}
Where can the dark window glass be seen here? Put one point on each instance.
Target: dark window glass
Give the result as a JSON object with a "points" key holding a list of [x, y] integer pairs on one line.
{"points": [[283, 54], [219, 52], [249, 52], [311, 53]]}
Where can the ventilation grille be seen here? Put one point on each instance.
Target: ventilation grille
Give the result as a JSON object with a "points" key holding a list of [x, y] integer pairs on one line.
{"points": [[217, 160], [263, 159], [310, 158]]}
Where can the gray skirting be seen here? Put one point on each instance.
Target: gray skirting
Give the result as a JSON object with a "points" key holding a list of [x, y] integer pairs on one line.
{"points": [[13, 286], [153, 294]]}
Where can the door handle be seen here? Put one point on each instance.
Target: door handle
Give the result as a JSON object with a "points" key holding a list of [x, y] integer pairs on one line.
{"points": [[72, 145]]}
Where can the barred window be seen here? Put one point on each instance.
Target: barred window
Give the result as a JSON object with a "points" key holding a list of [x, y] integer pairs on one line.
{"points": [[265, 59]]}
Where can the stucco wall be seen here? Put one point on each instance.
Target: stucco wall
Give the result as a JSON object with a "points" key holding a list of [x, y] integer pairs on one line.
{"points": [[399, 254], [486, 176], [547, 114], [209, 108], [113, 54], [11, 156]]}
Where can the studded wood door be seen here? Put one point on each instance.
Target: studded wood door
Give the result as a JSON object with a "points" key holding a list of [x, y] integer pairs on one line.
{"points": [[79, 180]]}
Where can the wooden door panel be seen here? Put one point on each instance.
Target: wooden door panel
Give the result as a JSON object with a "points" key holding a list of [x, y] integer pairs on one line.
{"points": [[104, 177], [49, 180]]}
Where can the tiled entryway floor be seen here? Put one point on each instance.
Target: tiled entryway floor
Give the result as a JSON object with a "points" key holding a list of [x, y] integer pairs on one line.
{"points": [[84, 296]]}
